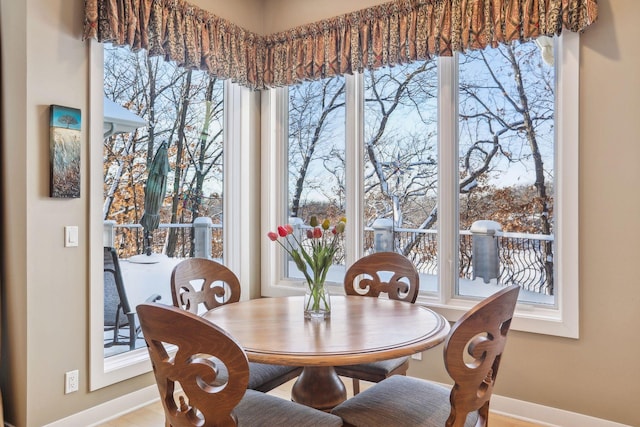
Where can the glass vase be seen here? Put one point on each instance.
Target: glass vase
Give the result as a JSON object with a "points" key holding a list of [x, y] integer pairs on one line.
{"points": [[317, 302]]}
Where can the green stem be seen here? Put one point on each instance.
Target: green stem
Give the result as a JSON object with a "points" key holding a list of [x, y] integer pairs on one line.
{"points": [[317, 295]]}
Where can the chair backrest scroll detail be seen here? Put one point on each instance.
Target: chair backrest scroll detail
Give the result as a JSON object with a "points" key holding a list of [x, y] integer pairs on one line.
{"points": [[472, 354], [219, 284], [209, 400], [364, 277]]}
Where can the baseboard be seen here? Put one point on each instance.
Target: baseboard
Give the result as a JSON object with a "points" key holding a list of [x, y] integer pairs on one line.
{"points": [[545, 415], [519, 409], [110, 410]]}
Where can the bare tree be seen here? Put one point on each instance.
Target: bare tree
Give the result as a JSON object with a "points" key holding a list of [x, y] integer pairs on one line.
{"points": [[506, 107], [513, 104], [401, 164], [174, 102], [312, 111], [199, 155]]}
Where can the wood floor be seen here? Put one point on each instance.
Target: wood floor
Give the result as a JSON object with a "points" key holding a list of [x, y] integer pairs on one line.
{"points": [[153, 415]]}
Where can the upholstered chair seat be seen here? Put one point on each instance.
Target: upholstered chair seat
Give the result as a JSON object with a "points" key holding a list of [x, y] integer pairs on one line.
{"points": [[417, 403]]}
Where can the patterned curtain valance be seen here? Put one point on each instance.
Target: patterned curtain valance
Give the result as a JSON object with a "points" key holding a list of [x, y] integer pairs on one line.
{"points": [[399, 31], [180, 32]]}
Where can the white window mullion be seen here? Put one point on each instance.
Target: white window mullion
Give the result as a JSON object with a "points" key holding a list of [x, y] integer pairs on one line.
{"points": [[274, 164], [448, 240], [567, 183], [239, 124], [354, 168]]}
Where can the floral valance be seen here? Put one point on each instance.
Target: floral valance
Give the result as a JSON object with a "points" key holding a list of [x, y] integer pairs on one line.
{"points": [[399, 31]]}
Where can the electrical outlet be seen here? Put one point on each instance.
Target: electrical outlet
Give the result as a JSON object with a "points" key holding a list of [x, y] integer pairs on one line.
{"points": [[416, 356], [71, 380]]}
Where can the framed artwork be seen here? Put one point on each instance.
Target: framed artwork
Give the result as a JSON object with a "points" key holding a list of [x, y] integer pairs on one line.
{"points": [[64, 151]]}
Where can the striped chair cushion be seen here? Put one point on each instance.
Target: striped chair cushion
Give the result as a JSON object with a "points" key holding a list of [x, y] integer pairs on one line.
{"points": [[257, 409], [399, 401]]}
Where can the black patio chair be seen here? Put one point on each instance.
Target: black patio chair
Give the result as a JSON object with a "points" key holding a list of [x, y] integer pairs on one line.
{"points": [[118, 313]]}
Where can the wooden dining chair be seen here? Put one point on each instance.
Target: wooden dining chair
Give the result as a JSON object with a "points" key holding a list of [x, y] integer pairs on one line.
{"points": [[204, 397], [199, 285], [368, 277], [472, 354]]}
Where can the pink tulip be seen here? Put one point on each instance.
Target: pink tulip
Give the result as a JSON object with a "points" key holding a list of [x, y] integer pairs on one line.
{"points": [[318, 254]]}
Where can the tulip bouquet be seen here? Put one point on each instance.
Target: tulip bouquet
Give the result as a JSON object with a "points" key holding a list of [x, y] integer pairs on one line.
{"points": [[313, 257]]}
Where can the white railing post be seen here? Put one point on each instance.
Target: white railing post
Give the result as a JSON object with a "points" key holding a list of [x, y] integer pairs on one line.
{"points": [[383, 235], [297, 224], [484, 249], [109, 233], [202, 237]]}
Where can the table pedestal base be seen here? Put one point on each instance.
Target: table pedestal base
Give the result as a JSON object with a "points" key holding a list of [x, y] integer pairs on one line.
{"points": [[319, 387]]}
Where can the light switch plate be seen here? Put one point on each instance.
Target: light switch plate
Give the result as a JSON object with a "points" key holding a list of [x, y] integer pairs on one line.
{"points": [[71, 236]]}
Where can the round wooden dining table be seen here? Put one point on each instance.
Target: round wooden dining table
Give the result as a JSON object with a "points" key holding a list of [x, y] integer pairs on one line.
{"points": [[360, 330]]}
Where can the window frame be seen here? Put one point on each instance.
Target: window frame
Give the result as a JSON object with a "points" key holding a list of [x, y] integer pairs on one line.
{"points": [[239, 136], [560, 320]]}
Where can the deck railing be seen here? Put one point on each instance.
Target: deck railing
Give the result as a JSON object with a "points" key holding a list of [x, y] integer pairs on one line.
{"points": [[524, 259], [174, 240]]}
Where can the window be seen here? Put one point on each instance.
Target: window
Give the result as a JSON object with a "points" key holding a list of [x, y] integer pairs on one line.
{"points": [[316, 157], [431, 148], [400, 186], [506, 101], [211, 138], [184, 110]]}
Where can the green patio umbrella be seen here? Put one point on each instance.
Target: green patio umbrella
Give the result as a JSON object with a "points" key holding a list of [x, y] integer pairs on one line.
{"points": [[154, 192]]}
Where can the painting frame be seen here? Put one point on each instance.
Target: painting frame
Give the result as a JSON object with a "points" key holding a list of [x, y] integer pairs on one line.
{"points": [[64, 151]]}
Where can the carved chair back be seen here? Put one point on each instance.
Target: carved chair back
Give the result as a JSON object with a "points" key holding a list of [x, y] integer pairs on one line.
{"points": [[472, 354], [197, 281], [205, 398], [367, 277]]}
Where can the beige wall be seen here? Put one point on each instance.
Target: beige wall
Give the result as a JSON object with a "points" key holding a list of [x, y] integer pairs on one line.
{"points": [[44, 62], [280, 15], [245, 13], [45, 324], [46, 286]]}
